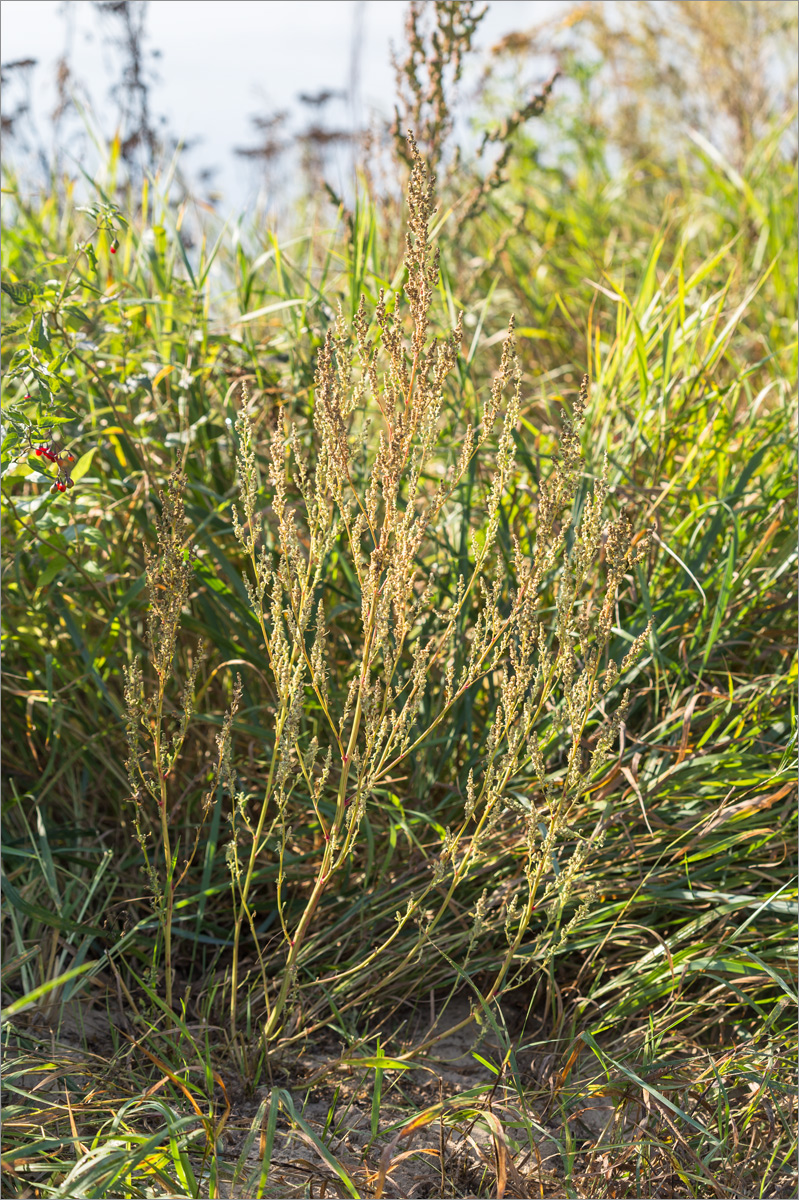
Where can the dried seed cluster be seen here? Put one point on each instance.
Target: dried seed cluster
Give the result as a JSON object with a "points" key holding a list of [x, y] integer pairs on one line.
{"points": [[431, 67], [155, 733]]}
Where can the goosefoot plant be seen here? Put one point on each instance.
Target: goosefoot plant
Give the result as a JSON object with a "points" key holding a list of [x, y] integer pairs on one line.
{"points": [[423, 634], [157, 727]]}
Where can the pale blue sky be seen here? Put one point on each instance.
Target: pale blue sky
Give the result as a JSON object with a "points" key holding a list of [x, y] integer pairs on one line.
{"points": [[223, 60]]}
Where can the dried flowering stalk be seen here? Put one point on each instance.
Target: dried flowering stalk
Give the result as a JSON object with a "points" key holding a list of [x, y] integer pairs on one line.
{"points": [[439, 37], [431, 66], [155, 736], [370, 499]]}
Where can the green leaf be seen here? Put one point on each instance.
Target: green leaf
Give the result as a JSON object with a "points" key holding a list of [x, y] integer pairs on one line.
{"points": [[379, 1063], [335, 1165], [48, 574], [83, 464], [40, 338], [19, 293], [76, 318]]}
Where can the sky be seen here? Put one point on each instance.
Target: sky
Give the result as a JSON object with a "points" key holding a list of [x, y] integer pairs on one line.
{"points": [[222, 61]]}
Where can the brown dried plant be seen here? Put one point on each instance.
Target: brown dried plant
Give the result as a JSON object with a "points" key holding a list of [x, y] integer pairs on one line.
{"points": [[156, 733], [420, 632], [723, 68], [439, 39], [431, 66]]}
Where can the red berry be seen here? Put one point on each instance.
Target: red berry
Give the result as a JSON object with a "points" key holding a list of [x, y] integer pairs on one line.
{"points": [[39, 452], [113, 249], [27, 395], [62, 487]]}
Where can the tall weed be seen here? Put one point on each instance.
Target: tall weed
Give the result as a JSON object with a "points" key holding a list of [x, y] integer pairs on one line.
{"points": [[366, 511]]}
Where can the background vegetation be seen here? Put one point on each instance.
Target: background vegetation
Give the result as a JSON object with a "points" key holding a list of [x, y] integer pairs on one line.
{"points": [[637, 216]]}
